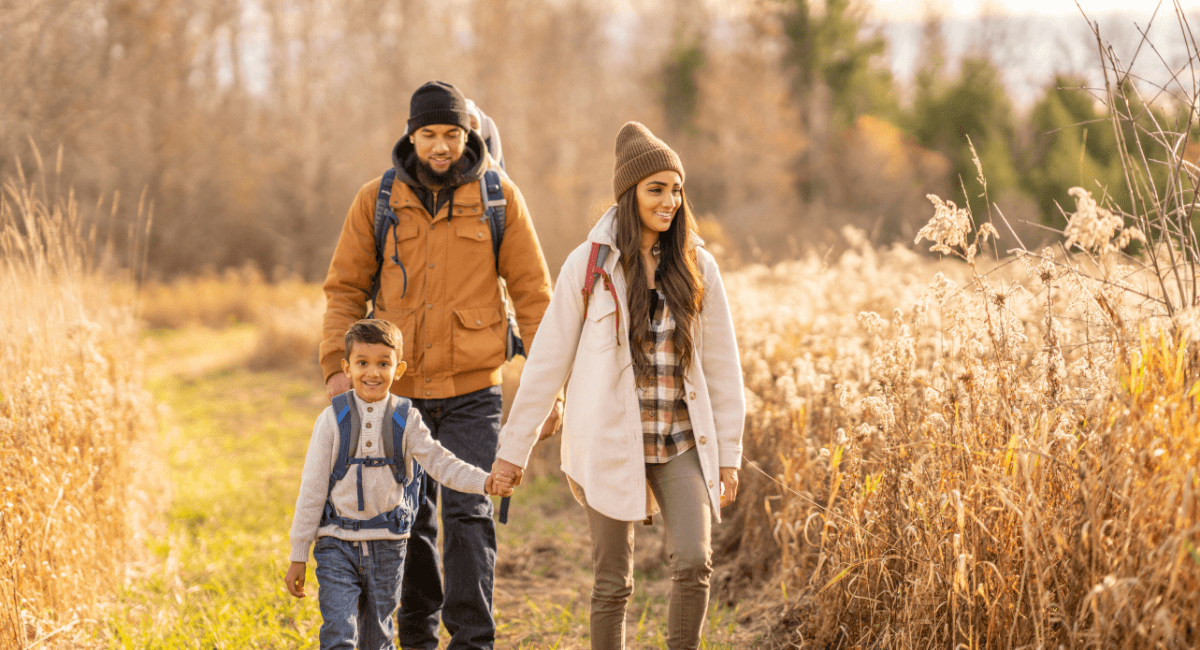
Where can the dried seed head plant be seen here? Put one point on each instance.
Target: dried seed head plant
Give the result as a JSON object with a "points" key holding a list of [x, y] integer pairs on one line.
{"points": [[1009, 459]]}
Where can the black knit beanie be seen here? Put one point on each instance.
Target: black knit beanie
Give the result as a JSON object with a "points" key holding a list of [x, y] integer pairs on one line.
{"points": [[438, 102]]}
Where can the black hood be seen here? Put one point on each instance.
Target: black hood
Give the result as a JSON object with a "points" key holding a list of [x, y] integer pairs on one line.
{"points": [[474, 163]]}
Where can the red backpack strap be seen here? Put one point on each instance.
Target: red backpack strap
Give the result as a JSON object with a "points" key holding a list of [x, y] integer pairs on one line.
{"points": [[595, 268]]}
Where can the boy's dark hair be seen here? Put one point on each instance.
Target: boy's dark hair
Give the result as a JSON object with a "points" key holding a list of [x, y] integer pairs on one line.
{"points": [[374, 330]]}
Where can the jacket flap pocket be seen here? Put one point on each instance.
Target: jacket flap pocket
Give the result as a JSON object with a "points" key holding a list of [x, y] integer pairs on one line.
{"points": [[474, 230], [406, 230], [467, 208], [601, 303], [477, 318]]}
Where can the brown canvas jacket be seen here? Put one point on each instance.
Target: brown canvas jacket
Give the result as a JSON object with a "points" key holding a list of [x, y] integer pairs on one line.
{"points": [[451, 314]]}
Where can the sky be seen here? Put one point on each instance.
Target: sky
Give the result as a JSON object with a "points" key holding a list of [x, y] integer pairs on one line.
{"points": [[915, 9]]}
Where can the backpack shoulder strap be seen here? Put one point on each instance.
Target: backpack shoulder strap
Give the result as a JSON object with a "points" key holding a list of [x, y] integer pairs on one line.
{"points": [[385, 218], [346, 412], [492, 195], [393, 445], [595, 268]]}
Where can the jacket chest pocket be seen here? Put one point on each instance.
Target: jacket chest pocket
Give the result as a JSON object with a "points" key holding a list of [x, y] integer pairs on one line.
{"points": [[600, 328], [399, 243]]}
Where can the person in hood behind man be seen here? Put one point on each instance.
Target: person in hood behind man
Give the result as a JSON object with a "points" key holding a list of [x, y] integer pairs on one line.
{"points": [[438, 284]]}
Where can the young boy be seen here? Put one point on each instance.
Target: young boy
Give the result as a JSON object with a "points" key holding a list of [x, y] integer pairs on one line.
{"points": [[358, 497]]}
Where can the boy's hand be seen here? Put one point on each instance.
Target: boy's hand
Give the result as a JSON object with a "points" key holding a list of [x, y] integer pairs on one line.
{"points": [[294, 580], [500, 486]]}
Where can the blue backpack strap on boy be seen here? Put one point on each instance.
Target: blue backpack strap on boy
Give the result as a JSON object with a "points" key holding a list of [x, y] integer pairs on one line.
{"points": [[385, 220], [346, 412], [492, 195]]}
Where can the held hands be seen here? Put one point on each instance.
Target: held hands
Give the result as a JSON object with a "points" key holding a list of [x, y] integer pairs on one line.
{"points": [[729, 485], [294, 580], [506, 473], [501, 486]]}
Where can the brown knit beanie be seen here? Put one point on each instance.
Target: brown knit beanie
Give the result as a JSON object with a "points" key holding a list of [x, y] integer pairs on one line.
{"points": [[640, 154]]}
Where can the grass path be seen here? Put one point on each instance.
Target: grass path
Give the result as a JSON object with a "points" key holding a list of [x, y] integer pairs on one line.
{"points": [[234, 441]]}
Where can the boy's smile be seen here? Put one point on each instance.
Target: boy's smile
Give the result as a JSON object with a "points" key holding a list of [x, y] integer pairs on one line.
{"points": [[372, 367]]}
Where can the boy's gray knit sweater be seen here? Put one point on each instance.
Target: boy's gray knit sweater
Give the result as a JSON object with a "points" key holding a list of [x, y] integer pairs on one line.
{"points": [[381, 493]]}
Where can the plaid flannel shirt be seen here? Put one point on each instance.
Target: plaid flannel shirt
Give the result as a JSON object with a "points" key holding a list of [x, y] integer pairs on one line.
{"points": [[666, 428]]}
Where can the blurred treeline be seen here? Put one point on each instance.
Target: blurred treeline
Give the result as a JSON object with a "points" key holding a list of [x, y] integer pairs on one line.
{"points": [[252, 123]]}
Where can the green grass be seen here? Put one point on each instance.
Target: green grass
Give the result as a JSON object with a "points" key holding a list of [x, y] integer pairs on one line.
{"points": [[236, 443]]}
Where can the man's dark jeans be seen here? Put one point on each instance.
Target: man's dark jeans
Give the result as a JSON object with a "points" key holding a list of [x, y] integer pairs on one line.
{"points": [[469, 426]]}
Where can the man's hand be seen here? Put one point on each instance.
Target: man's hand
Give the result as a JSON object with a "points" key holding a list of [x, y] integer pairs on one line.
{"points": [[497, 485], [504, 470], [337, 384], [550, 425], [729, 485], [294, 580]]}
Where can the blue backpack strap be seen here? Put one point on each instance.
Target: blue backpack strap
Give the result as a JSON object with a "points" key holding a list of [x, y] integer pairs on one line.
{"points": [[385, 219], [393, 445], [492, 195], [341, 410]]}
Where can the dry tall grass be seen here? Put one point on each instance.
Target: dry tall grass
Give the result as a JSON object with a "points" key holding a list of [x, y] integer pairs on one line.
{"points": [[1001, 459], [72, 409]]}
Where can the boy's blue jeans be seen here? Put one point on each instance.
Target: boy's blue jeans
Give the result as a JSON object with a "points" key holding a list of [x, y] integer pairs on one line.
{"points": [[469, 426], [358, 590]]}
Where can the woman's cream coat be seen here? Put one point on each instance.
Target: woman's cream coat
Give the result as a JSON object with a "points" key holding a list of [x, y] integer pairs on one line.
{"points": [[602, 448]]}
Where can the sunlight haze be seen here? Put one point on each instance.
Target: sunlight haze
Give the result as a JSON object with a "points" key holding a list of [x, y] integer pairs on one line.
{"points": [[907, 9]]}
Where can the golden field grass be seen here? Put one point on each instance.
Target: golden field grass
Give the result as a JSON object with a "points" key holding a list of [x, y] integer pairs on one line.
{"points": [[939, 453], [74, 425]]}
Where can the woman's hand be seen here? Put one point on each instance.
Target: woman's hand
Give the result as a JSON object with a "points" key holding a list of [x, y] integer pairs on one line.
{"points": [[550, 424], [729, 485]]}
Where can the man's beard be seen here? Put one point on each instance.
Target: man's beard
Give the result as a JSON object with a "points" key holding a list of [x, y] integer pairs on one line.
{"points": [[452, 177]]}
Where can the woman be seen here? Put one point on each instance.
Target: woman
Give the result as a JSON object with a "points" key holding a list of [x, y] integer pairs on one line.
{"points": [[655, 406]]}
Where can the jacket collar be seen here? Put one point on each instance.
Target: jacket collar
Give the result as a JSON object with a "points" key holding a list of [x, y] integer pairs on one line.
{"points": [[605, 232]]}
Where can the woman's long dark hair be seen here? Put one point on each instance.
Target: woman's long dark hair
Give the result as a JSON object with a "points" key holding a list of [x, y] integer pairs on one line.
{"points": [[679, 280]]}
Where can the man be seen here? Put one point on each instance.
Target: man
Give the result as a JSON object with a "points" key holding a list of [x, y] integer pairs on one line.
{"points": [[438, 283]]}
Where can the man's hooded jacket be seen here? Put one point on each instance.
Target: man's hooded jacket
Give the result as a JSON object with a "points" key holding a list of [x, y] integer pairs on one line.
{"points": [[445, 300]]}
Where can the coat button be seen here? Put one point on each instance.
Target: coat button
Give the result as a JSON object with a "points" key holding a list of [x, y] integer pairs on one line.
{"points": [[710, 484], [431, 266], [431, 226], [368, 442], [703, 440], [428, 379], [428, 392], [692, 395], [370, 409], [429, 306], [368, 425], [479, 235], [479, 322], [428, 345]]}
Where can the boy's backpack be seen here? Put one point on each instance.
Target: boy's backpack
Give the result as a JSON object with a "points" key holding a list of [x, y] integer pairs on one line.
{"points": [[493, 199], [399, 519], [595, 268]]}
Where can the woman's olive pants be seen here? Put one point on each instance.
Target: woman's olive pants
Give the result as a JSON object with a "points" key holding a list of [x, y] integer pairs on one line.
{"points": [[679, 487]]}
